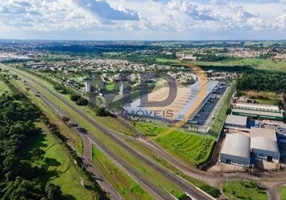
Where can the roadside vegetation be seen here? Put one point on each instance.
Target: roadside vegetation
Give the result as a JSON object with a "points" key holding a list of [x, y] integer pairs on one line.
{"points": [[72, 137], [19, 176], [109, 121], [217, 124], [242, 189], [144, 170], [4, 88], [214, 192], [190, 147], [125, 185]]}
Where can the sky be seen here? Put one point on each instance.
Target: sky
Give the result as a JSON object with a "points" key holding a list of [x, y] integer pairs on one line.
{"points": [[143, 19]]}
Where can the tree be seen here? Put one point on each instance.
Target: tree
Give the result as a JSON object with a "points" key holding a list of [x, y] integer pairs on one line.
{"points": [[74, 97], [82, 102], [102, 112]]}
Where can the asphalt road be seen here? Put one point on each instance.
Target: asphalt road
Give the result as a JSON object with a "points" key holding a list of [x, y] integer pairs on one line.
{"points": [[115, 137]]}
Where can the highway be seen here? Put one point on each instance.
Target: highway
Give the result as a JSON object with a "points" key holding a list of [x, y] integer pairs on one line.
{"points": [[157, 192], [87, 155], [187, 187], [86, 138]]}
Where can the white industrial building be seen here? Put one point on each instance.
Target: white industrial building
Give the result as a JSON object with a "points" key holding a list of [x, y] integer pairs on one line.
{"points": [[236, 150], [264, 144], [260, 145], [236, 122]]}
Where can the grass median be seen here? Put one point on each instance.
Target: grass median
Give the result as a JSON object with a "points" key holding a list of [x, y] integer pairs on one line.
{"points": [[125, 185]]}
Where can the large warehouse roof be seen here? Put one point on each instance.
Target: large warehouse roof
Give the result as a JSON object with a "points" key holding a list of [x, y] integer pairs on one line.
{"points": [[268, 133], [236, 145], [187, 99], [255, 112], [264, 139], [236, 120], [264, 144], [261, 107]]}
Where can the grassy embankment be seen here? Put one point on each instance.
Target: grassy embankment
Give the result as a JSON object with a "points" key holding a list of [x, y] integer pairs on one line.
{"points": [[61, 169], [192, 148], [217, 124], [72, 137], [126, 186], [143, 169], [242, 189]]}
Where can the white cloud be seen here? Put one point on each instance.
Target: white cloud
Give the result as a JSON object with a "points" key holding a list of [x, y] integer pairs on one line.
{"points": [[173, 17]]}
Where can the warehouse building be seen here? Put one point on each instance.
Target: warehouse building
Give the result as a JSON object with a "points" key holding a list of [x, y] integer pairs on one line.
{"points": [[191, 98], [264, 144], [258, 111], [236, 122], [236, 150]]}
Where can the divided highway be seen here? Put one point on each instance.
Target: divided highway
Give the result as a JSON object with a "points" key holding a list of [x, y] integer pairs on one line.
{"points": [[155, 191]]}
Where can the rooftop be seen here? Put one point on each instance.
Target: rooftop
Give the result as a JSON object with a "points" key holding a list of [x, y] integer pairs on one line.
{"points": [[255, 112], [236, 145], [258, 106], [264, 144], [267, 133], [236, 120]]}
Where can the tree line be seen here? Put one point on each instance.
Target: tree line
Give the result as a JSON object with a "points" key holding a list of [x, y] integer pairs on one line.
{"points": [[263, 81], [19, 176]]}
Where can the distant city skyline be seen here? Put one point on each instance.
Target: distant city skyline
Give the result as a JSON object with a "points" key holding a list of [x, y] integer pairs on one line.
{"points": [[143, 20]]}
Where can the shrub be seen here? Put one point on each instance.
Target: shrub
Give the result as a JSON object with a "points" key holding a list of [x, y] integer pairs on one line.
{"points": [[74, 97], [82, 102]]}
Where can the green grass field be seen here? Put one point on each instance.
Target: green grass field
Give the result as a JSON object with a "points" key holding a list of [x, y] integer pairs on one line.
{"points": [[282, 192], [124, 184], [242, 189], [143, 169], [190, 147], [61, 169]]}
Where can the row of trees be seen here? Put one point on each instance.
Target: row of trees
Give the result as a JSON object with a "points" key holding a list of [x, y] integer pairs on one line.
{"points": [[19, 176]]}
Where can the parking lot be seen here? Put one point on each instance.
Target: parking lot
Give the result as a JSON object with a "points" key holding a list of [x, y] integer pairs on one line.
{"points": [[202, 116]]}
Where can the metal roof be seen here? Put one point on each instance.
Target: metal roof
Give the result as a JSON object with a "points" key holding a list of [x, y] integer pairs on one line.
{"points": [[256, 112], [264, 139], [236, 120], [270, 108], [264, 144], [236, 145], [268, 133]]}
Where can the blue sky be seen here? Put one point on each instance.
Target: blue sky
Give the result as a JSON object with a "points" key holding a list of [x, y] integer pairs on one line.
{"points": [[143, 19]]}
